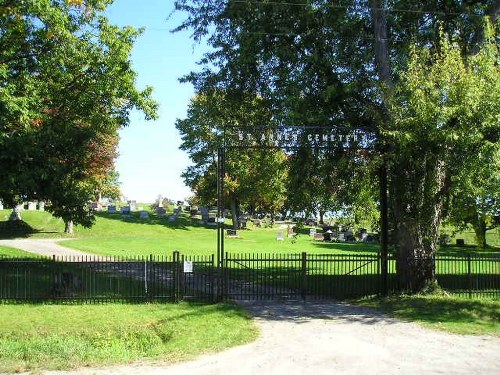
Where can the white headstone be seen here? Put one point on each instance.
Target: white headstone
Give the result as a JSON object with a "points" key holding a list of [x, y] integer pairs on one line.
{"points": [[1, 205], [133, 205], [31, 206], [41, 206], [280, 236]]}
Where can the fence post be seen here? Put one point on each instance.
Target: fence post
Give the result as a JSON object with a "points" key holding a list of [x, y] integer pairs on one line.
{"points": [[151, 278], [469, 275], [212, 273], [176, 268], [304, 276]]}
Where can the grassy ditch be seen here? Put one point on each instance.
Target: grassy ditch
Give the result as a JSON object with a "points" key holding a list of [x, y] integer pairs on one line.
{"points": [[48, 337]]}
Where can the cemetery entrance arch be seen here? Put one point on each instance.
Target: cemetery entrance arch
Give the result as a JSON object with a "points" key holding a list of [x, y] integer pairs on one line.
{"points": [[292, 138]]}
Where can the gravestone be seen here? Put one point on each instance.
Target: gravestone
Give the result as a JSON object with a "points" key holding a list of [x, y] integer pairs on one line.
{"points": [[460, 242], [112, 209], [290, 232], [160, 211], [31, 206], [280, 236], [193, 212], [144, 215], [318, 236], [125, 210], [341, 237], [132, 205], [41, 206], [1, 205], [204, 213], [231, 232], [312, 232]]}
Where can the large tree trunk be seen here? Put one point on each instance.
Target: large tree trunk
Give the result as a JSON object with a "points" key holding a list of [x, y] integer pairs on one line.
{"points": [[235, 212], [480, 231], [417, 200], [68, 226], [15, 215], [321, 217]]}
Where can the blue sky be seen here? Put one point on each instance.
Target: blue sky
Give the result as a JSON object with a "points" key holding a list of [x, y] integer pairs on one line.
{"points": [[150, 162]]}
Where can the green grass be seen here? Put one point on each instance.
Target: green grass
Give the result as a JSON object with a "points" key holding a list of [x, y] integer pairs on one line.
{"points": [[15, 253], [43, 337], [114, 235], [448, 313]]}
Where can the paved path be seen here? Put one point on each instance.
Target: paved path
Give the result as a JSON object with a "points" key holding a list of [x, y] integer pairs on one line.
{"points": [[46, 247]]}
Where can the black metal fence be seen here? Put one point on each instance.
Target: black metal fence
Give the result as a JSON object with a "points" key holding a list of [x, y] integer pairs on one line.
{"points": [[107, 278], [243, 276]]}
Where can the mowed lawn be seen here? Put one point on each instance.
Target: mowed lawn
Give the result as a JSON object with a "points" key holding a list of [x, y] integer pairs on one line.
{"points": [[117, 236], [37, 337]]}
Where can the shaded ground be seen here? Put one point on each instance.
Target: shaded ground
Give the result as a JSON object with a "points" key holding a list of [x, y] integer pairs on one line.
{"points": [[322, 338]]}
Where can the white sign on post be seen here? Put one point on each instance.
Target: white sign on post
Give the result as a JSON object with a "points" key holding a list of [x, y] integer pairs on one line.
{"points": [[188, 266]]}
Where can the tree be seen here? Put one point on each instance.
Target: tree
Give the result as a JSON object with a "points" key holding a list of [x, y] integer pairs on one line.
{"points": [[475, 197], [254, 178], [339, 65], [445, 116], [67, 86]]}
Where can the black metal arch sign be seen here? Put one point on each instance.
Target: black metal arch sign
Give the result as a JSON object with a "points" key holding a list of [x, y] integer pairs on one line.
{"points": [[290, 137], [283, 137]]}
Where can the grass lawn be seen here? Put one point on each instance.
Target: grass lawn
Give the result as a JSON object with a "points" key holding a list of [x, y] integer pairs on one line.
{"points": [[447, 313], [11, 252], [36, 337], [114, 235]]}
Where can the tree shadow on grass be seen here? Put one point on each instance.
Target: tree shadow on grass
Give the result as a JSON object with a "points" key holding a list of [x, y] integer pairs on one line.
{"points": [[182, 222], [16, 229], [354, 247], [450, 250], [441, 309]]}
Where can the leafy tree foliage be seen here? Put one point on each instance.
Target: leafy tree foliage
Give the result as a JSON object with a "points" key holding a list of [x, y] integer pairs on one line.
{"points": [[66, 88], [255, 179], [351, 64], [445, 116]]}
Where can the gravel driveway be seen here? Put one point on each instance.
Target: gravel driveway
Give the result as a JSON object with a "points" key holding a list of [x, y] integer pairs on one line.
{"points": [[46, 247], [324, 338], [334, 338]]}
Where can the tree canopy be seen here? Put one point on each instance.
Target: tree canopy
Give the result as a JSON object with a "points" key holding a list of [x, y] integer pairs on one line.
{"points": [[379, 66], [66, 87]]}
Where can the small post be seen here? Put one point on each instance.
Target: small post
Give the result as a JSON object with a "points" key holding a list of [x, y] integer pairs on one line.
{"points": [[304, 276], [176, 269], [469, 275], [384, 230]]}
